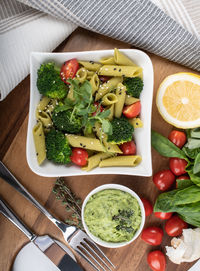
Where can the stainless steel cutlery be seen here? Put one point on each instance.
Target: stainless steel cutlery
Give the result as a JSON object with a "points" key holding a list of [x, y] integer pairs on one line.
{"points": [[76, 238]]}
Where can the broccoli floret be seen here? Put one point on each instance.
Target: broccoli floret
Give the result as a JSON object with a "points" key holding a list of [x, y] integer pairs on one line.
{"points": [[49, 82], [134, 86], [122, 131], [57, 146], [63, 121]]}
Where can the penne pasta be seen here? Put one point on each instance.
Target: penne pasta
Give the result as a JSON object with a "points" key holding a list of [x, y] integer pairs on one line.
{"points": [[121, 161], [111, 108], [109, 98], [90, 65], [44, 118], [85, 142], [94, 160], [130, 100], [122, 59], [90, 74], [107, 60], [81, 75], [95, 82], [136, 122], [43, 103], [39, 141], [114, 70], [107, 87], [121, 94], [70, 94]]}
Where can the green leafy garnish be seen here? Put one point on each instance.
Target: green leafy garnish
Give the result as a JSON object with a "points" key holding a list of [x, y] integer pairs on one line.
{"points": [[124, 221]]}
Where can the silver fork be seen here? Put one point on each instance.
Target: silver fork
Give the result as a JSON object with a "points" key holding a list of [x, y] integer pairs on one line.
{"points": [[76, 238]]}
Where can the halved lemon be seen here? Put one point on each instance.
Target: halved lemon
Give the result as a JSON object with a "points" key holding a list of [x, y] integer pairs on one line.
{"points": [[178, 100]]}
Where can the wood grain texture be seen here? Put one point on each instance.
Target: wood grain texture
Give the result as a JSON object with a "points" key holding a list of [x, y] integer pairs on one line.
{"points": [[13, 123]]}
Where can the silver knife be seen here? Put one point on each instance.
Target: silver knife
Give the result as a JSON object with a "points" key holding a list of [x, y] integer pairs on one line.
{"points": [[57, 253]]}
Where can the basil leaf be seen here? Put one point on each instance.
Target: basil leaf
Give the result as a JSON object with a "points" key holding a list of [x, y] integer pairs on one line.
{"points": [[193, 143], [196, 168], [181, 184], [166, 147], [195, 132]]}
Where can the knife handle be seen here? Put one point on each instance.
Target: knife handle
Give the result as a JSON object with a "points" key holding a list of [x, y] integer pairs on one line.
{"points": [[10, 179], [9, 213]]}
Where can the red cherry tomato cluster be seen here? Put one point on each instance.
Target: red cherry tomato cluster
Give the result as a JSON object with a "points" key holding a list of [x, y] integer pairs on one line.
{"points": [[174, 225]]}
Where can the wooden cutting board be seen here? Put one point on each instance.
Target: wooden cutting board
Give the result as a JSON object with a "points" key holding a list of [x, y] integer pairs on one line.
{"points": [[13, 123]]}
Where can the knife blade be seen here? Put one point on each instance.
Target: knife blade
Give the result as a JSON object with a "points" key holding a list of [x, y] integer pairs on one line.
{"points": [[57, 253]]}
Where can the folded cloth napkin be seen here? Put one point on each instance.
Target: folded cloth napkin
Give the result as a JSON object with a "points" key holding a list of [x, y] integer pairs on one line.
{"points": [[22, 30], [142, 23]]}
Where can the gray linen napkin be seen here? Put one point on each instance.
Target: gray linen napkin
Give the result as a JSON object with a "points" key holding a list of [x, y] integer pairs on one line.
{"points": [[138, 22]]}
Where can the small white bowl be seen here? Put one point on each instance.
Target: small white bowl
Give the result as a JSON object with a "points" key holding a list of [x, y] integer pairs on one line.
{"points": [[118, 187]]}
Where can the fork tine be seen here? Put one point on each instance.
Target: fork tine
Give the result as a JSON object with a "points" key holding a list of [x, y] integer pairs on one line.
{"points": [[97, 255], [87, 259], [99, 250], [87, 252]]}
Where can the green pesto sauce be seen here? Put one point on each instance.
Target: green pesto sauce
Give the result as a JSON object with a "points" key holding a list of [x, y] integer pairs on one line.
{"points": [[112, 215]]}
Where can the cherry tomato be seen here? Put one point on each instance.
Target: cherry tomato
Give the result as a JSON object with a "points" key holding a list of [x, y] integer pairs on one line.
{"points": [[128, 148], [182, 177], [147, 206], [96, 104], [152, 235], [79, 156], [178, 138], [69, 69], [177, 166], [163, 179], [132, 111], [156, 260], [103, 78], [175, 225], [163, 215]]}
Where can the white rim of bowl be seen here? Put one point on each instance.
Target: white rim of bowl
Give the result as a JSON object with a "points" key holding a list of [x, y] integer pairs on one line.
{"points": [[117, 187]]}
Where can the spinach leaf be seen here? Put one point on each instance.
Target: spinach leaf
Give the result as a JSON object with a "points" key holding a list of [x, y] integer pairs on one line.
{"points": [[195, 132], [196, 168], [166, 147], [168, 201], [184, 183], [190, 218], [191, 153], [193, 143], [194, 177]]}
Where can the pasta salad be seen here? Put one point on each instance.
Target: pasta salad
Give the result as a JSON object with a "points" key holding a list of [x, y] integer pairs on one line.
{"points": [[88, 112]]}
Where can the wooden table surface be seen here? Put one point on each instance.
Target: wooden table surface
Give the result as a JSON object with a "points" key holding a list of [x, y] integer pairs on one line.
{"points": [[13, 129]]}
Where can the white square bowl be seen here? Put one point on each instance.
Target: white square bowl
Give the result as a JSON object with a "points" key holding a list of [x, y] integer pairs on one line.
{"points": [[142, 136]]}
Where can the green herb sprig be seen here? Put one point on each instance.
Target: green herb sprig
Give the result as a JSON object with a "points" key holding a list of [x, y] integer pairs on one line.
{"points": [[123, 219], [83, 105], [71, 202]]}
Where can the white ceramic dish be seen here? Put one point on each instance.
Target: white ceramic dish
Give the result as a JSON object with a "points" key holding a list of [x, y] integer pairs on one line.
{"points": [[142, 135], [118, 187]]}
